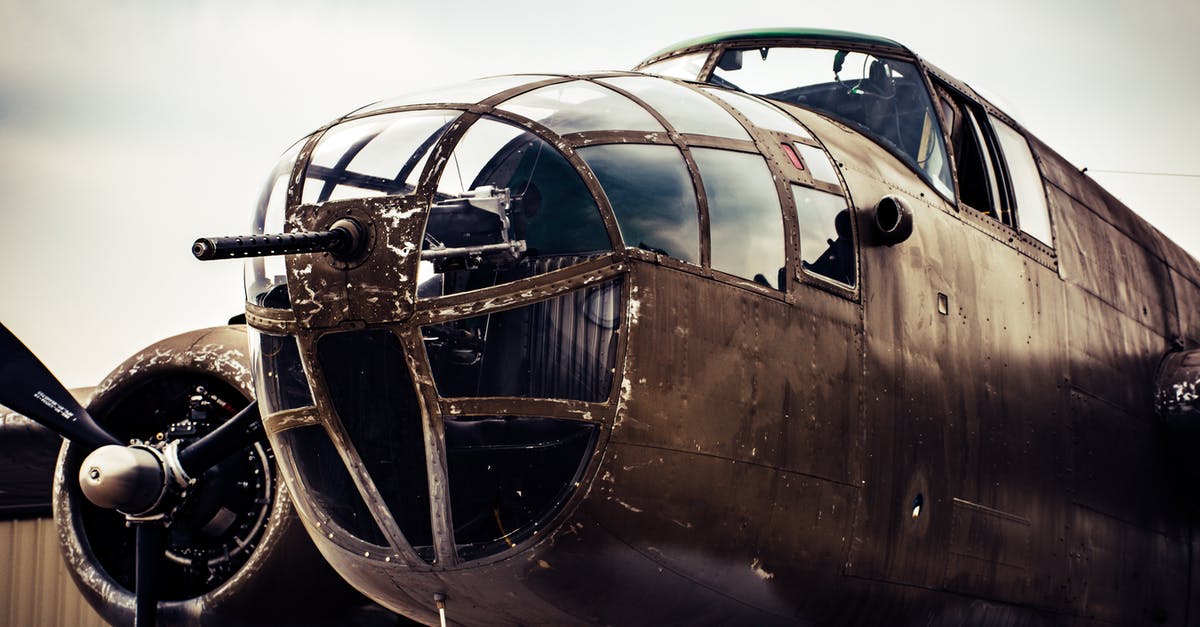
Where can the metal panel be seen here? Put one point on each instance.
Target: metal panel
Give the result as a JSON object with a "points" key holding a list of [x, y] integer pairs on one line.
{"points": [[1119, 466], [989, 551], [1104, 360], [1187, 295], [1123, 272], [35, 588], [1106, 586]]}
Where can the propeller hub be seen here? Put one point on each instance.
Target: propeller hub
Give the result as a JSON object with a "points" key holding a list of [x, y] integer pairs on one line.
{"points": [[131, 479]]}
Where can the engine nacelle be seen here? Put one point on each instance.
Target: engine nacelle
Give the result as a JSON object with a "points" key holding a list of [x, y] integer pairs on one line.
{"points": [[1177, 401], [237, 553]]}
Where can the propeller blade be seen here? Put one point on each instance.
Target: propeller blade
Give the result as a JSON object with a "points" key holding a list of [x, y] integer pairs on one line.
{"points": [[28, 387], [236, 434], [151, 543]]}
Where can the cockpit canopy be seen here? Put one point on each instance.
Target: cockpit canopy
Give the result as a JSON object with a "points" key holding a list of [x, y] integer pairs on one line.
{"points": [[870, 83]]}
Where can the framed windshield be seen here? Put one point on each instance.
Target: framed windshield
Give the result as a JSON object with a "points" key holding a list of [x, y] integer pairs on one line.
{"points": [[883, 97]]}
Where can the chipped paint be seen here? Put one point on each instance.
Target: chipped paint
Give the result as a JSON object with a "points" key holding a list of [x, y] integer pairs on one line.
{"points": [[281, 421], [403, 250], [1180, 397], [627, 506], [641, 465], [398, 215], [634, 307], [762, 573]]}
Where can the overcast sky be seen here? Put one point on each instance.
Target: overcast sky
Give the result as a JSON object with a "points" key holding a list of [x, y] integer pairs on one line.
{"points": [[130, 127]]}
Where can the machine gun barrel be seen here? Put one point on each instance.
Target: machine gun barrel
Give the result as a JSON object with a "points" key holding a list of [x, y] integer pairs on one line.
{"points": [[343, 240]]}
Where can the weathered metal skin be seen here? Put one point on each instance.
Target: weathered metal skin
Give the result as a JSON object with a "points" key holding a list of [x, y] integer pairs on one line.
{"points": [[283, 567], [966, 437]]}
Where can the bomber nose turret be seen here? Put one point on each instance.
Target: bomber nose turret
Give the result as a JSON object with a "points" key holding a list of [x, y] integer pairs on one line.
{"points": [[437, 306]]}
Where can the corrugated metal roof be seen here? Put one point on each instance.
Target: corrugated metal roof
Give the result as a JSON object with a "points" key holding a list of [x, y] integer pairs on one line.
{"points": [[35, 588], [27, 454]]}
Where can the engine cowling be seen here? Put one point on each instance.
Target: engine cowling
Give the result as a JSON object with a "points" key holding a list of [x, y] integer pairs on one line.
{"points": [[237, 553], [1177, 401]]}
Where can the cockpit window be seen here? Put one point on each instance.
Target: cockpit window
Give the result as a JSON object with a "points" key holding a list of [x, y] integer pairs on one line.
{"points": [[745, 219], [1032, 214], [885, 98], [380, 155], [652, 196], [818, 163], [687, 66], [826, 235], [686, 110], [508, 206], [580, 106]]}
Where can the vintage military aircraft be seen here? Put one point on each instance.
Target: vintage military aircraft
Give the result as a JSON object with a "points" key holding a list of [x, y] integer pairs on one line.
{"points": [[782, 327]]}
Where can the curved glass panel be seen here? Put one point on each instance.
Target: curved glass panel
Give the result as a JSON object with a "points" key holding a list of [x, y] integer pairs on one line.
{"points": [[652, 196], [381, 155], [563, 348], [509, 474], [374, 397], [687, 66], [580, 106], [826, 236], [885, 98], [279, 380], [744, 215], [509, 206], [761, 114], [267, 276], [469, 92], [325, 482], [686, 110]]}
